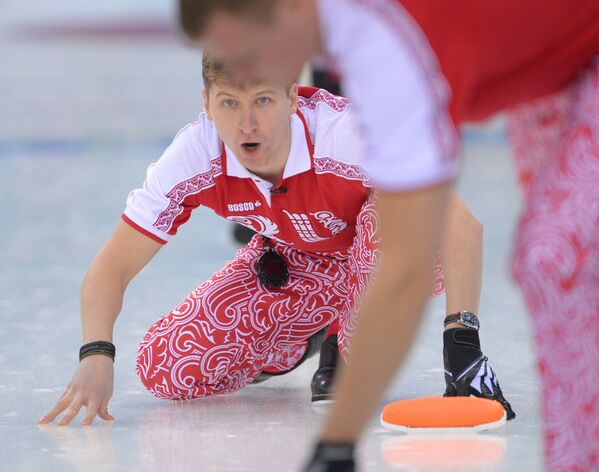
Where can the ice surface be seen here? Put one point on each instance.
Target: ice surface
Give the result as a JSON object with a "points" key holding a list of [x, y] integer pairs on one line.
{"points": [[80, 120]]}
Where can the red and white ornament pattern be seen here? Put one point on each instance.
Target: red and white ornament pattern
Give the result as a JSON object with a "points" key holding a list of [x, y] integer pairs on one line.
{"points": [[556, 262], [231, 327]]}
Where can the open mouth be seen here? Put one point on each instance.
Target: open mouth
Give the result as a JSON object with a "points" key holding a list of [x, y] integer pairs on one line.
{"points": [[251, 147]]}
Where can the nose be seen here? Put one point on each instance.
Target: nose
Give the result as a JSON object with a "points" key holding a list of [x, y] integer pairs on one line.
{"points": [[248, 123]]}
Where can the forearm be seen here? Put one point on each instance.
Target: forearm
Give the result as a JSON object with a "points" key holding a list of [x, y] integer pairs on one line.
{"points": [[125, 253], [392, 310], [462, 255], [385, 331], [101, 301]]}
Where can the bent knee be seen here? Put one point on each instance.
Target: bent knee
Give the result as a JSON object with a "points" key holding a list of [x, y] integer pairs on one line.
{"points": [[167, 379], [183, 377]]}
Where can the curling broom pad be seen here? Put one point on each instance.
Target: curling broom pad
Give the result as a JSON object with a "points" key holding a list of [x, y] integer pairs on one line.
{"points": [[436, 414]]}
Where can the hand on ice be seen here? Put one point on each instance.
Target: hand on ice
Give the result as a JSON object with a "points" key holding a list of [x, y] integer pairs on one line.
{"points": [[90, 387]]}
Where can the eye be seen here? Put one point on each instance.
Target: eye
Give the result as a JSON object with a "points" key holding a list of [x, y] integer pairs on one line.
{"points": [[229, 103], [264, 101]]}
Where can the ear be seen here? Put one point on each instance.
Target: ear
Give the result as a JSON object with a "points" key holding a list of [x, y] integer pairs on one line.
{"points": [[206, 104], [293, 99]]}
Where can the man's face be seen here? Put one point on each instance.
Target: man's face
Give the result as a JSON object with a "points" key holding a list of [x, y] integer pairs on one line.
{"points": [[274, 50], [254, 122]]}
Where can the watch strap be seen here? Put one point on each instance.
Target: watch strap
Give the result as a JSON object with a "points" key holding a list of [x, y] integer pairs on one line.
{"points": [[457, 318]]}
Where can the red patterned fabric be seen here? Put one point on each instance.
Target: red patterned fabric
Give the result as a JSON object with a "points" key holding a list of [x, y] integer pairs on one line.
{"points": [[183, 190], [557, 263], [326, 165], [198, 169], [549, 119], [318, 96], [231, 327]]}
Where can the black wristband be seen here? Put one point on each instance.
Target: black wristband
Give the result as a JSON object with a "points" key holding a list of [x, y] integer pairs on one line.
{"points": [[97, 347]]}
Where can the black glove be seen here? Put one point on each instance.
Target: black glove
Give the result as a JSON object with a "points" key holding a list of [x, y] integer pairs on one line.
{"points": [[332, 457], [467, 370]]}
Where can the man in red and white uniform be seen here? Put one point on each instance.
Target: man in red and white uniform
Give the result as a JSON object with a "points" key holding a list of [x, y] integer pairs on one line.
{"points": [[240, 327], [416, 70], [286, 164]]}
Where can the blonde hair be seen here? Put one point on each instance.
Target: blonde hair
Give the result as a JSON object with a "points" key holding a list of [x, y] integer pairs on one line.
{"points": [[214, 71]]}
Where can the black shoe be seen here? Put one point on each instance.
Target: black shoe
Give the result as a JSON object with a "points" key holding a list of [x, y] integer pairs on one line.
{"points": [[314, 343], [322, 381], [475, 378]]}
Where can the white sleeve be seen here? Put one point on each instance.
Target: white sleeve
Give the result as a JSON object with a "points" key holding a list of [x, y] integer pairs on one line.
{"points": [[157, 209], [392, 77], [145, 204]]}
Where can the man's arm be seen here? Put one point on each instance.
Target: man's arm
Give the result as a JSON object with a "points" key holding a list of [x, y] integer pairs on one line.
{"points": [[126, 252], [392, 309], [462, 257], [122, 257]]}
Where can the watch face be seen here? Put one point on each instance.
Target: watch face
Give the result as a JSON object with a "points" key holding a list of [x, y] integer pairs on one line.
{"points": [[469, 320]]}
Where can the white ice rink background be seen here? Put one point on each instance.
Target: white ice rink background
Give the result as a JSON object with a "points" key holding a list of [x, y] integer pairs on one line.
{"points": [[90, 93]]}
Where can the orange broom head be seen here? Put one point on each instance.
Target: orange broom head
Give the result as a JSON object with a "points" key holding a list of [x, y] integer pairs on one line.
{"points": [[442, 412]]}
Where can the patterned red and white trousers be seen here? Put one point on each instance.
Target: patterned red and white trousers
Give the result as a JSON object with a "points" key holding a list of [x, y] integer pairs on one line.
{"points": [[232, 327], [556, 262]]}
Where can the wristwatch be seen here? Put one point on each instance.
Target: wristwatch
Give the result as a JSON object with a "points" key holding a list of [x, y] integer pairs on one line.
{"points": [[469, 320]]}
